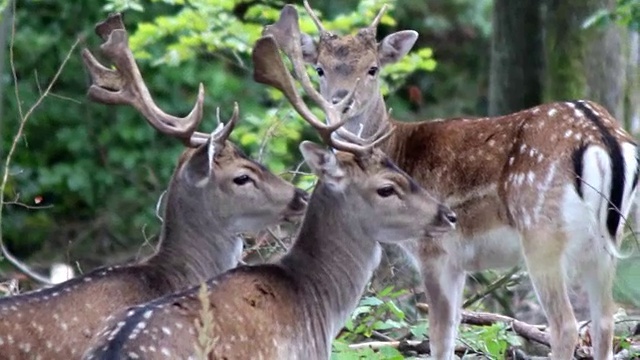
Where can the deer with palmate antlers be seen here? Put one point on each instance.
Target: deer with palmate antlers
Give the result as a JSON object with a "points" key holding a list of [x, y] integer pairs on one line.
{"points": [[292, 309], [550, 185], [214, 193]]}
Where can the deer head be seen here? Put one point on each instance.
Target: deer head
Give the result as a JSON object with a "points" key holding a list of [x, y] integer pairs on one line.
{"points": [[360, 167], [340, 60]]}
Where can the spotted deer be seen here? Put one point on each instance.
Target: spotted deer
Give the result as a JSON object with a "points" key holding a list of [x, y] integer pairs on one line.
{"points": [[293, 308], [215, 192], [550, 185]]}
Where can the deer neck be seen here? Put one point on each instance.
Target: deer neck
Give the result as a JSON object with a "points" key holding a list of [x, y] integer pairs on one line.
{"points": [[372, 118], [194, 244], [331, 262]]}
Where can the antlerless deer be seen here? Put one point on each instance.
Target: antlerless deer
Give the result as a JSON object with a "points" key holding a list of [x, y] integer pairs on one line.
{"points": [[549, 185], [215, 192], [293, 309]]}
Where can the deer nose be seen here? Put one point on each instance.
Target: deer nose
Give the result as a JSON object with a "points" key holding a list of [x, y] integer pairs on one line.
{"points": [[448, 215], [338, 96]]}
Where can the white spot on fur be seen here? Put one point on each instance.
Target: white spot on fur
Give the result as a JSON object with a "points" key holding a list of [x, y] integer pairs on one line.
{"points": [[147, 314], [567, 133], [166, 330], [165, 352], [552, 112]]}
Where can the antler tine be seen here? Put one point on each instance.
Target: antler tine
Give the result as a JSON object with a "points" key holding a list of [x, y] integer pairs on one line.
{"points": [[106, 27], [314, 17], [376, 20], [223, 135], [126, 86], [360, 146]]}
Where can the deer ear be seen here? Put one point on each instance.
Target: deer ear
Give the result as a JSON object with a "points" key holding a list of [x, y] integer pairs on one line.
{"points": [[395, 46], [324, 164], [309, 49], [198, 168]]}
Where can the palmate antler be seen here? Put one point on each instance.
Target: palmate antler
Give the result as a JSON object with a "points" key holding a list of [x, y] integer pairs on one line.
{"points": [[125, 85], [269, 69]]}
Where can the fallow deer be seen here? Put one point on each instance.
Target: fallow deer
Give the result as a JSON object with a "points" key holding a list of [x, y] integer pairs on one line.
{"points": [[215, 193], [292, 309], [550, 185]]}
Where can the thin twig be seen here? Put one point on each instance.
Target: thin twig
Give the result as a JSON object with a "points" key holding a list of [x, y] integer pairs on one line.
{"points": [[23, 120], [491, 287], [30, 207], [278, 240]]}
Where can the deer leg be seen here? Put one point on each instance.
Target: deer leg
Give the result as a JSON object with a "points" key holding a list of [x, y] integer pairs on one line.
{"points": [[444, 284], [543, 252], [598, 281]]}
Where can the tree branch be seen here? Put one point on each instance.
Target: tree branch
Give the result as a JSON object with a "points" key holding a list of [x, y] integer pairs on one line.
{"points": [[527, 331]]}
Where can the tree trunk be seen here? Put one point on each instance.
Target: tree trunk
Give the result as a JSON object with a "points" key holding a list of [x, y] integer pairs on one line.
{"points": [[515, 79], [583, 63]]}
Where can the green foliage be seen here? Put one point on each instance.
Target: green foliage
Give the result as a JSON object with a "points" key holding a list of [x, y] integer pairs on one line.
{"points": [[378, 312], [341, 351], [492, 341], [626, 344], [625, 13], [375, 313]]}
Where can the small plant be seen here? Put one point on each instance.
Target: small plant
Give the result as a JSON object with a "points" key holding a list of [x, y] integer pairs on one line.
{"points": [[204, 325], [377, 313], [492, 341], [342, 351]]}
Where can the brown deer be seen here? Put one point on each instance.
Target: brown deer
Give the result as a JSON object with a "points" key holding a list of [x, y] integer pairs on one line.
{"points": [[292, 309], [214, 193], [550, 185]]}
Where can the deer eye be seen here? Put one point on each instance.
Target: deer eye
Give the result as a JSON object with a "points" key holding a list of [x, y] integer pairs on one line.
{"points": [[320, 71], [373, 70], [386, 191], [241, 180]]}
